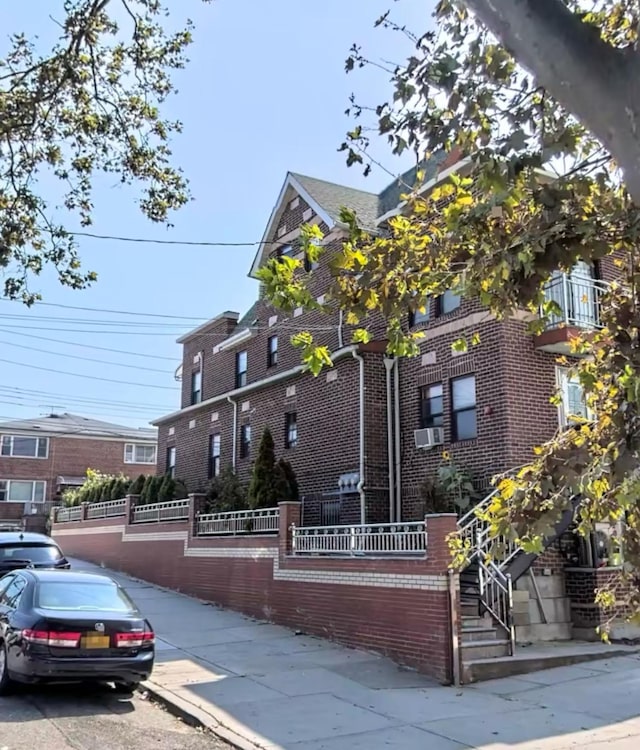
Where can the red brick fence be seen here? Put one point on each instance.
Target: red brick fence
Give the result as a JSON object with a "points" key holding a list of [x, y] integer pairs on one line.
{"points": [[384, 589]]}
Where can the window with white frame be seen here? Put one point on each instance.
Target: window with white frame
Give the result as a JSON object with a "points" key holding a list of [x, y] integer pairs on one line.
{"points": [[139, 453], [22, 491], [171, 461], [17, 446], [573, 406]]}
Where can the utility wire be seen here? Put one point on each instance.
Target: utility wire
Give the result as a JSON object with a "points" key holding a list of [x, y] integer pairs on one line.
{"points": [[115, 312], [191, 243], [46, 395], [88, 377]]}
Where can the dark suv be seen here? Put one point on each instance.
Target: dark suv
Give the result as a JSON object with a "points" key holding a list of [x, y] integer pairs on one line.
{"points": [[24, 549]]}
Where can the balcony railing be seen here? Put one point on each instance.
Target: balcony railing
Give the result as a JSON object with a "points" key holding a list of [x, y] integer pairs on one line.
{"points": [[175, 510], [264, 521], [578, 298], [107, 510], [63, 515], [374, 540]]}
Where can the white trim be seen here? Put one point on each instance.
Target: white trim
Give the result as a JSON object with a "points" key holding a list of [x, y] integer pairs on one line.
{"points": [[228, 314], [36, 437], [8, 482], [420, 582], [133, 460], [563, 381], [249, 388], [237, 338], [427, 186], [290, 182]]}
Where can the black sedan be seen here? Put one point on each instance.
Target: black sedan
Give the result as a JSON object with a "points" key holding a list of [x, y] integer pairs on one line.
{"points": [[24, 549], [63, 626]]}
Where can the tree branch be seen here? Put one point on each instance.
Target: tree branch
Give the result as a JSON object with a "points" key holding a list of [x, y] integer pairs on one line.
{"points": [[596, 82]]}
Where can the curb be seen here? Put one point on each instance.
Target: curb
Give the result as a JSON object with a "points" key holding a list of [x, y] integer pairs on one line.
{"points": [[195, 716]]}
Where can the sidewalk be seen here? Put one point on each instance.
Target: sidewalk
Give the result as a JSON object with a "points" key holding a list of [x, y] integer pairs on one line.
{"points": [[262, 686]]}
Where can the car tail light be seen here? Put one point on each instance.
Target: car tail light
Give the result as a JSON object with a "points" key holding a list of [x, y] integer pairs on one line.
{"points": [[135, 640], [55, 639]]}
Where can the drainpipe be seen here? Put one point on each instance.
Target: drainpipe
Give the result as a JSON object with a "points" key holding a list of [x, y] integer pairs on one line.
{"points": [[360, 487], [388, 366], [235, 431], [340, 337], [398, 478]]}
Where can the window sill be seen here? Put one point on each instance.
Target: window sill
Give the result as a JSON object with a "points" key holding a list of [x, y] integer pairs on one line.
{"points": [[469, 442], [27, 458]]}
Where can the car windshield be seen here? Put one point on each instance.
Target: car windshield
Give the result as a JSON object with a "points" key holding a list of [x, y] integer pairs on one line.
{"points": [[78, 596], [36, 553]]}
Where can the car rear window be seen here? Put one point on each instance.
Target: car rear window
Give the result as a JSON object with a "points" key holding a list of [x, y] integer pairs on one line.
{"points": [[77, 596], [36, 553]]}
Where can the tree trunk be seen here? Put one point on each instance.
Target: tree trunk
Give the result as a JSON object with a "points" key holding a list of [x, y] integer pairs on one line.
{"points": [[599, 84]]}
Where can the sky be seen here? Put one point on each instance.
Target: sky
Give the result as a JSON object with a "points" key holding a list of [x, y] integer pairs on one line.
{"points": [[264, 93]]}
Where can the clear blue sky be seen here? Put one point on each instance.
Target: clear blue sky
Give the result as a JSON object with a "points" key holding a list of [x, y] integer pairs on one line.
{"points": [[264, 93]]}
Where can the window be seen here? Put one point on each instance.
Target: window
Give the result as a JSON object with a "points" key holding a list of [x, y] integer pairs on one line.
{"points": [[24, 447], [463, 408], [573, 406], [431, 406], [196, 387], [245, 441], [241, 369], [22, 491], [13, 592], [290, 430], [171, 461], [77, 596], [286, 250], [448, 302], [214, 456], [36, 553], [139, 453], [416, 316], [272, 351]]}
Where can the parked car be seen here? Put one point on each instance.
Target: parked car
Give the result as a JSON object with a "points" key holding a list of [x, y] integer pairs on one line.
{"points": [[24, 549], [63, 626]]}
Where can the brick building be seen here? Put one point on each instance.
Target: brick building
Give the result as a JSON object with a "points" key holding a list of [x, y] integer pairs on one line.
{"points": [[365, 435], [41, 457]]}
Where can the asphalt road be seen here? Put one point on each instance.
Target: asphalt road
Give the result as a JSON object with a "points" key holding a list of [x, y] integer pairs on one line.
{"points": [[86, 718]]}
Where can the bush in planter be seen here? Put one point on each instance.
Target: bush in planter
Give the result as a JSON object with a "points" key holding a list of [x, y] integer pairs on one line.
{"points": [[181, 492], [452, 490], [266, 481], [226, 493], [166, 489], [135, 488], [288, 482]]}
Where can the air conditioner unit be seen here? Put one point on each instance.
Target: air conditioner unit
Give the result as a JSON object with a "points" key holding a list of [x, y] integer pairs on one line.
{"points": [[429, 437]]}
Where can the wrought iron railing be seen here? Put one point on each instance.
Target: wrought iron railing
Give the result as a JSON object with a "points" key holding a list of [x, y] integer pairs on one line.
{"points": [[232, 523], [63, 515], [496, 595], [174, 510], [579, 300], [109, 509], [383, 539]]}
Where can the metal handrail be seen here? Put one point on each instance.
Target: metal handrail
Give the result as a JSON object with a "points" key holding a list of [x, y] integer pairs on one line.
{"points": [[173, 510], [232, 523], [579, 299], [496, 595], [107, 509], [403, 539], [65, 515]]}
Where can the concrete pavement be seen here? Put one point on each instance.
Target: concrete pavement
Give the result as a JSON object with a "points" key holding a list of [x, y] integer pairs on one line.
{"points": [[262, 686]]}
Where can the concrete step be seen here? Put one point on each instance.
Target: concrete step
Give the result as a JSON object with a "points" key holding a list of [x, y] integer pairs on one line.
{"points": [[469, 608], [476, 621], [487, 649], [480, 633]]}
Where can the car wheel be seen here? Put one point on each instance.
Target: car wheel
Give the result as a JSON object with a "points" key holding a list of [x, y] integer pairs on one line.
{"points": [[5, 681], [126, 687]]}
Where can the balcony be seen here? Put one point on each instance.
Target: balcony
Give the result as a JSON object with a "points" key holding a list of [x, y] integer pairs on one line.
{"points": [[579, 298]]}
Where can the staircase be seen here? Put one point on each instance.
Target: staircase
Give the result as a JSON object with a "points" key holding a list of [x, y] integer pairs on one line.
{"points": [[486, 587]]}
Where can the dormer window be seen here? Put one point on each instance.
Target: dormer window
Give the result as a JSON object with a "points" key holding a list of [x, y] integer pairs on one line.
{"points": [[289, 250]]}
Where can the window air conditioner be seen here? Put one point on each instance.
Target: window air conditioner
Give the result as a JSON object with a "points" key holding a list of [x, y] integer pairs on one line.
{"points": [[429, 437]]}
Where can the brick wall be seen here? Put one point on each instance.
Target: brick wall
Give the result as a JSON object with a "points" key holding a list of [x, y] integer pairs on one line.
{"points": [[586, 614], [397, 607], [71, 457]]}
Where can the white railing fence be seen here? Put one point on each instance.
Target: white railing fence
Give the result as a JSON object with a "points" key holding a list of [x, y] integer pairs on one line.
{"points": [[108, 509], [174, 510], [232, 523], [579, 299], [63, 515], [371, 539]]}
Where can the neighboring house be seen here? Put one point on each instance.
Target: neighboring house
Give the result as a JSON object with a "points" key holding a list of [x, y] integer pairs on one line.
{"points": [[365, 435], [41, 457]]}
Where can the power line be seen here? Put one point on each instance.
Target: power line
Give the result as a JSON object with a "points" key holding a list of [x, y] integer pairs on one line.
{"points": [[91, 346], [87, 359], [274, 329], [117, 312], [90, 410], [81, 399], [88, 377], [191, 243], [91, 321]]}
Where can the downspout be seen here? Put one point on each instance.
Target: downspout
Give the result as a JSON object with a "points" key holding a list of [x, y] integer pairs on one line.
{"points": [[388, 366], [235, 431], [398, 473], [340, 337], [360, 487]]}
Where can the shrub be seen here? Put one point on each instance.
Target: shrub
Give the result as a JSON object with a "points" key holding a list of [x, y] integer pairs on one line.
{"points": [[135, 488], [167, 489], [226, 493], [288, 482], [266, 481]]}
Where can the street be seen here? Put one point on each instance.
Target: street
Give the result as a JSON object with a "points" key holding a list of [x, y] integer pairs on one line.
{"points": [[85, 718]]}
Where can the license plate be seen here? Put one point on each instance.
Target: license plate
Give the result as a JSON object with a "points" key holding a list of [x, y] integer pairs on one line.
{"points": [[95, 641]]}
